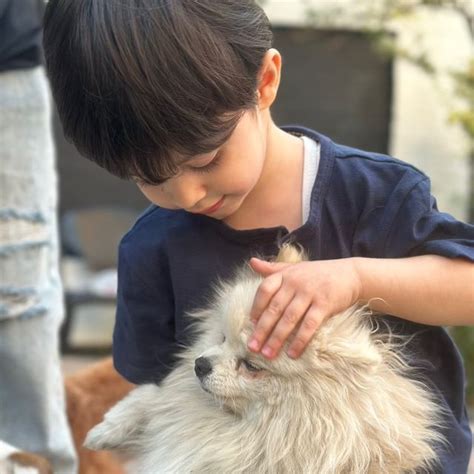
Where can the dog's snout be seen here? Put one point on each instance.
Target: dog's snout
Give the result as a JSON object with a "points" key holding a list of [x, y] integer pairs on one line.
{"points": [[202, 367]]}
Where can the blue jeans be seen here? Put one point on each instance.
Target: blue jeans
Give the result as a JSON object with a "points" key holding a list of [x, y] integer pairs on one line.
{"points": [[32, 409]]}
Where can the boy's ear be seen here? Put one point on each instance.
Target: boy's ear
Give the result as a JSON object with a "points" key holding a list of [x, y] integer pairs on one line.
{"points": [[269, 78]]}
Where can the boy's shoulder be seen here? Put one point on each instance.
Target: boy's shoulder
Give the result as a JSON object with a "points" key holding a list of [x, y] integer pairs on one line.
{"points": [[158, 217], [363, 160], [339, 159], [360, 182], [153, 229], [375, 173]]}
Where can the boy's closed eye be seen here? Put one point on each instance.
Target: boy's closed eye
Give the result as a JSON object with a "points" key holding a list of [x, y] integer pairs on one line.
{"points": [[208, 165], [198, 165]]}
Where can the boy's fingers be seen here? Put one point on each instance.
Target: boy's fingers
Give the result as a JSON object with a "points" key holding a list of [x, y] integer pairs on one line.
{"points": [[269, 318], [265, 268], [285, 326], [264, 294], [309, 325]]}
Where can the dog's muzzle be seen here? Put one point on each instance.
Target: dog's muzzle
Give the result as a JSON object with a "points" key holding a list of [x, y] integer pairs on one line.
{"points": [[202, 367]]}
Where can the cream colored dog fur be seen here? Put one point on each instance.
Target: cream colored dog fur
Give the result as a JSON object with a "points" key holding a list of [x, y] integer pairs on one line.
{"points": [[347, 405]]}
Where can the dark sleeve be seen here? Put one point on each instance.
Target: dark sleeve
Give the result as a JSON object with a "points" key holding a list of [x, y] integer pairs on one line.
{"points": [[144, 345], [418, 228], [3, 9], [20, 34]]}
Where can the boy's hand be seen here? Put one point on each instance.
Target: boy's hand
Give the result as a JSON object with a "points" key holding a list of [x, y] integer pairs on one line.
{"points": [[303, 294]]}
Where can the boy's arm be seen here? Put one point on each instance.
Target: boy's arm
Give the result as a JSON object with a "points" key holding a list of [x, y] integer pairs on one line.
{"points": [[297, 298], [426, 289]]}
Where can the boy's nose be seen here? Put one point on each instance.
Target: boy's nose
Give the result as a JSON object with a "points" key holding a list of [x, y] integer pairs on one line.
{"points": [[187, 193]]}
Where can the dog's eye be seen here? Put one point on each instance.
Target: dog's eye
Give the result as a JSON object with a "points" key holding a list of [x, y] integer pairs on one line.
{"points": [[223, 339], [250, 367]]}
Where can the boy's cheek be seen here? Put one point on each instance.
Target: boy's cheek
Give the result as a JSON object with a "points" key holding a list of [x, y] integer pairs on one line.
{"points": [[157, 197]]}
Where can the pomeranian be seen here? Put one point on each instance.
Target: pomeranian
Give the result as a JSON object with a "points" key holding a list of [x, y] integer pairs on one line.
{"points": [[348, 405]]}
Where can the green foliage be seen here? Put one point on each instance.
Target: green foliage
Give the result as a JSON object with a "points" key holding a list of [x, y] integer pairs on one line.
{"points": [[464, 337], [464, 82], [386, 45]]}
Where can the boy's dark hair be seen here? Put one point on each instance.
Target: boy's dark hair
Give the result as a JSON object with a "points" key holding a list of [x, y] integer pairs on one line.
{"points": [[138, 83]]}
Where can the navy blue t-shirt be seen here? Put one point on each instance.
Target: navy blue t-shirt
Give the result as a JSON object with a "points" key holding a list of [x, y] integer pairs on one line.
{"points": [[362, 204]]}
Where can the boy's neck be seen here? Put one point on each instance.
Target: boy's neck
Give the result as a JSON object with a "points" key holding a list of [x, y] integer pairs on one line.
{"points": [[276, 199]]}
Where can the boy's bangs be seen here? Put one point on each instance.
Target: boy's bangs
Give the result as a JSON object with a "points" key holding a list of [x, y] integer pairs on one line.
{"points": [[164, 162], [151, 170], [141, 86]]}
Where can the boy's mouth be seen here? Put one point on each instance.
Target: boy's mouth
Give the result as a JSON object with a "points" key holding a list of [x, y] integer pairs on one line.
{"points": [[213, 208]]}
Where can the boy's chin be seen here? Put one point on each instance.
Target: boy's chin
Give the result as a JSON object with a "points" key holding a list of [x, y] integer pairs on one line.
{"points": [[227, 213]]}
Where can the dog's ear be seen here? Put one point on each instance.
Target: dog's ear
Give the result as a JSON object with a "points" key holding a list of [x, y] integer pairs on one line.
{"points": [[361, 356], [289, 253], [123, 425], [347, 337]]}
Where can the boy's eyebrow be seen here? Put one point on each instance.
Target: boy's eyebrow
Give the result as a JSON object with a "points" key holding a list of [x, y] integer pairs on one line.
{"points": [[180, 159], [184, 156], [183, 159]]}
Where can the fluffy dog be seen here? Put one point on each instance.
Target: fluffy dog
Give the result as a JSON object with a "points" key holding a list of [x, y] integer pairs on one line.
{"points": [[347, 405]]}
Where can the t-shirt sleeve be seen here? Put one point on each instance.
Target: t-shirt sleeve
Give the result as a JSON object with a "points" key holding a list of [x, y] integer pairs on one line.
{"points": [[419, 228], [144, 345]]}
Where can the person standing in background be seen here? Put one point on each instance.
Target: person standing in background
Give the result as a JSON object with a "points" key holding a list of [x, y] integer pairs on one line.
{"points": [[32, 410]]}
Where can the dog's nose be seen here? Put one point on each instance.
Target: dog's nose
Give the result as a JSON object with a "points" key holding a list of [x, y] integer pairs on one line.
{"points": [[202, 367]]}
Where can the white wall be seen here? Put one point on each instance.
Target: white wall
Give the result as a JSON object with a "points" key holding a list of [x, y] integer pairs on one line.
{"points": [[420, 132]]}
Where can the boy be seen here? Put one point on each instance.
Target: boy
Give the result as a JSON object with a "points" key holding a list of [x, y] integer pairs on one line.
{"points": [[176, 96]]}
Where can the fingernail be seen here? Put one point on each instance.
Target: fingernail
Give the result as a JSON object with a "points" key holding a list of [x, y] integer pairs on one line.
{"points": [[253, 345], [292, 353], [267, 351]]}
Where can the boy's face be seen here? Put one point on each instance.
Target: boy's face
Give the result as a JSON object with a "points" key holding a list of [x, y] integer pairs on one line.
{"points": [[217, 183]]}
